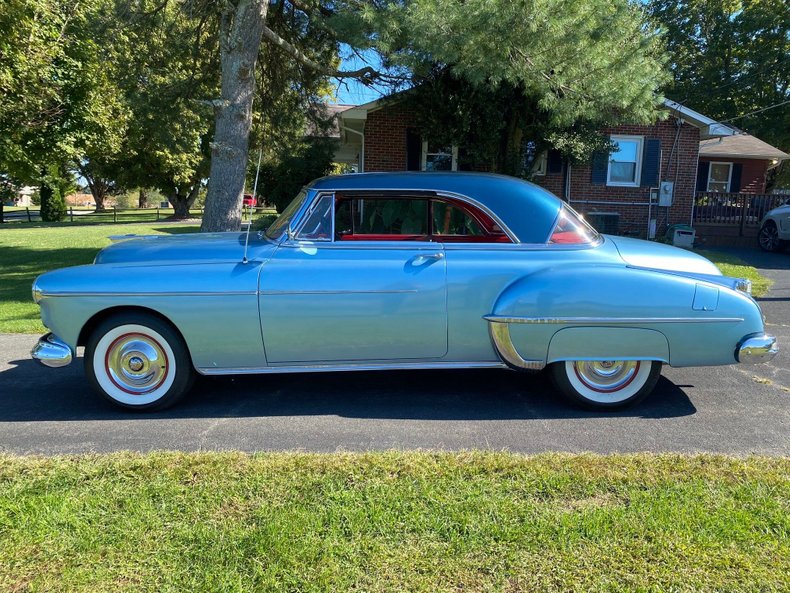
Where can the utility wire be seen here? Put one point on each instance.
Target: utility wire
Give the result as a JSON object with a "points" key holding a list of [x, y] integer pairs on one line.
{"points": [[755, 112]]}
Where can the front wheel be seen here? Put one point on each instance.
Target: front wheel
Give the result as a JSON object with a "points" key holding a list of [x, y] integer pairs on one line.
{"points": [[138, 362], [605, 384], [768, 237]]}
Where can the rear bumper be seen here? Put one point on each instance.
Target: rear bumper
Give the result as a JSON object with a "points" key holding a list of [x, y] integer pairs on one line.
{"points": [[756, 348], [51, 351]]}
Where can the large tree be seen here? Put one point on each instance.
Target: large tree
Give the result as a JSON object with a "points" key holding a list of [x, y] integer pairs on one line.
{"points": [[576, 59], [731, 60], [60, 100]]}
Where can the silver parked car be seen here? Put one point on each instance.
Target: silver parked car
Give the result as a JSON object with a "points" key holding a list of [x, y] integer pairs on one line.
{"points": [[387, 271], [775, 229]]}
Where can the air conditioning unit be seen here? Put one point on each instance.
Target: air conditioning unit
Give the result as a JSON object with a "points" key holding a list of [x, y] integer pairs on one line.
{"points": [[607, 223]]}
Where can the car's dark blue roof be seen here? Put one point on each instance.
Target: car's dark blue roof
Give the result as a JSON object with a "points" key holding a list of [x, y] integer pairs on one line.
{"points": [[528, 211]]}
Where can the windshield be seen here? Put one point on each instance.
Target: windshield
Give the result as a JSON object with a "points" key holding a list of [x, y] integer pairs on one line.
{"points": [[572, 229], [279, 226]]}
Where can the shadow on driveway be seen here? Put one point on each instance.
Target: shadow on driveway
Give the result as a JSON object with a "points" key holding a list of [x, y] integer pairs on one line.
{"points": [[31, 393]]}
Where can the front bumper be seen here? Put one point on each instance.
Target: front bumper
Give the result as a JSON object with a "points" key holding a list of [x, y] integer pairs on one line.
{"points": [[756, 348], [51, 351]]}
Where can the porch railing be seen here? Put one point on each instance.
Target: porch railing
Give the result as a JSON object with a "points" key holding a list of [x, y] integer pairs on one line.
{"points": [[734, 209]]}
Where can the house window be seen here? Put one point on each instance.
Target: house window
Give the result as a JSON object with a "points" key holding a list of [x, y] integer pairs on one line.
{"points": [[436, 157], [625, 164], [534, 162], [719, 176]]}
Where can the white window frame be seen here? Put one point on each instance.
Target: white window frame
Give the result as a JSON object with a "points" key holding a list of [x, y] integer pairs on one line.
{"points": [[640, 140], [425, 153], [540, 164], [729, 177]]}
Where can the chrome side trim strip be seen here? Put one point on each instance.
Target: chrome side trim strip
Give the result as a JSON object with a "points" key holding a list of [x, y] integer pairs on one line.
{"points": [[362, 366], [501, 319], [281, 292], [146, 294], [503, 344]]}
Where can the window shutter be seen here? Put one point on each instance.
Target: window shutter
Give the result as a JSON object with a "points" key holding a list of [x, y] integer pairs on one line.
{"points": [[702, 175], [735, 178], [651, 159], [553, 162], [413, 150], [600, 163]]}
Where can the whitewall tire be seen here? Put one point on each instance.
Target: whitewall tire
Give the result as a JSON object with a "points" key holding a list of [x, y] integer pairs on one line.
{"points": [[138, 361], [606, 384]]}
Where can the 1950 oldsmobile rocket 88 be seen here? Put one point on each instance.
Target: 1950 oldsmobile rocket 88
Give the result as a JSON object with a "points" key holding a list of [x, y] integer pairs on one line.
{"points": [[399, 271]]}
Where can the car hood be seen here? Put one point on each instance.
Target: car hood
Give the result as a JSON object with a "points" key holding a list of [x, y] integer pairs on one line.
{"points": [[658, 256], [192, 247]]}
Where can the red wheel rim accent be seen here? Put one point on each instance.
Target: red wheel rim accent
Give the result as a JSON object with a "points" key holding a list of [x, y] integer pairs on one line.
{"points": [[613, 390], [112, 378]]}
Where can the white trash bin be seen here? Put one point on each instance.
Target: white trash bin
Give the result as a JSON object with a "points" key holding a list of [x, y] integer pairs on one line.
{"points": [[684, 238]]}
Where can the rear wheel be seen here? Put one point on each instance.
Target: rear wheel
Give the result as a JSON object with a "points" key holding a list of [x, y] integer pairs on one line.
{"points": [[768, 238], [138, 362], [605, 384]]}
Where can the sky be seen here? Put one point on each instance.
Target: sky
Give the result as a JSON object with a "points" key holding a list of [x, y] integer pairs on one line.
{"points": [[350, 91]]}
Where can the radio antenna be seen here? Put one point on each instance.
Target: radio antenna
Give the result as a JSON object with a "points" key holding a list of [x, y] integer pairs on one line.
{"points": [[244, 259]]}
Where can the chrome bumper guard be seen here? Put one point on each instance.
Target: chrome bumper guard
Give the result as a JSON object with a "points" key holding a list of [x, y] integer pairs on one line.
{"points": [[756, 348], [51, 351]]}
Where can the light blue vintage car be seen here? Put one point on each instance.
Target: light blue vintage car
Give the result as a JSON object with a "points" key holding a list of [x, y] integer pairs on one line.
{"points": [[387, 271]]}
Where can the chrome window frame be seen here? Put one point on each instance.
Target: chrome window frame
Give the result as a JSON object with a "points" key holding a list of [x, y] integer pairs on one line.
{"points": [[300, 219], [305, 216]]}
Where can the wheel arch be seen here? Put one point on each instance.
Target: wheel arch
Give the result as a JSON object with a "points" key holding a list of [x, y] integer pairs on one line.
{"points": [[94, 321], [608, 343]]}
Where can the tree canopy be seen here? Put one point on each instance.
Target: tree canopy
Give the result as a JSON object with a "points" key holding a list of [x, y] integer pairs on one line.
{"points": [[170, 93], [730, 59]]}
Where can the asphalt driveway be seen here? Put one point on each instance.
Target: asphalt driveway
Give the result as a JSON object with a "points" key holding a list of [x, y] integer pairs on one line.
{"points": [[736, 409]]}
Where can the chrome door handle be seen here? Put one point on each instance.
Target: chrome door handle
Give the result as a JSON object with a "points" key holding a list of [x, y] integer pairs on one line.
{"points": [[422, 258]]}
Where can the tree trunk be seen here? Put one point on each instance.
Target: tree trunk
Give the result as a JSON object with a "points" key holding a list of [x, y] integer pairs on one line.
{"points": [[142, 198], [183, 202], [240, 39], [100, 189]]}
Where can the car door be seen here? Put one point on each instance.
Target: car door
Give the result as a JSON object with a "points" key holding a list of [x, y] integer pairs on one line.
{"points": [[348, 290]]}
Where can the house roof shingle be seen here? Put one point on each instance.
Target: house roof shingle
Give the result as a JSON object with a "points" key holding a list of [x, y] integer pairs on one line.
{"points": [[743, 146]]}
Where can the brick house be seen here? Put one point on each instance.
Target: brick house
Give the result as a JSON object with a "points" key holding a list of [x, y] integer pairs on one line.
{"points": [[739, 163], [639, 190]]}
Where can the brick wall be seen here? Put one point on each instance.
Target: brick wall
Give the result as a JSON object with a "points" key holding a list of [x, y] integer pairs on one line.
{"points": [[385, 150], [631, 203], [385, 138], [752, 175]]}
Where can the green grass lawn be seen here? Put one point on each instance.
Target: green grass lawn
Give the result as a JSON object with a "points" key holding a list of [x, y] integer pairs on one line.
{"points": [[394, 522], [731, 265], [27, 250]]}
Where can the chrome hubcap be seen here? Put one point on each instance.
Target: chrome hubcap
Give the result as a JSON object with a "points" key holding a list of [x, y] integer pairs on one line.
{"points": [[136, 363], [606, 375]]}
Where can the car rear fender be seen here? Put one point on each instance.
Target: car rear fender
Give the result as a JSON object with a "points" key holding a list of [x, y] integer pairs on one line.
{"points": [[619, 312]]}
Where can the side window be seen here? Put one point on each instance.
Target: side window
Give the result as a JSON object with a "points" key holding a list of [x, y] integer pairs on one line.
{"points": [[382, 219], [453, 222], [450, 220], [571, 229], [318, 225]]}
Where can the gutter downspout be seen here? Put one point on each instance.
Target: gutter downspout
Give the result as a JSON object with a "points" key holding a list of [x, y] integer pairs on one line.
{"points": [[362, 151]]}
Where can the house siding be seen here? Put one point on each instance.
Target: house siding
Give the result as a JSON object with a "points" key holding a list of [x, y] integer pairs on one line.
{"points": [[753, 173], [385, 150]]}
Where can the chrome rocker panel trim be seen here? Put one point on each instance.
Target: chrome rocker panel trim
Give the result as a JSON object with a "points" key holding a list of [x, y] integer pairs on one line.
{"points": [[52, 352], [756, 349], [363, 366]]}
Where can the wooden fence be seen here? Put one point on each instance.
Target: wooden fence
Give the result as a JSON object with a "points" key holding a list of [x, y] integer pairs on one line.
{"points": [[736, 210]]}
